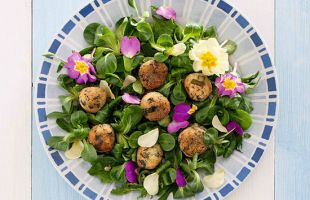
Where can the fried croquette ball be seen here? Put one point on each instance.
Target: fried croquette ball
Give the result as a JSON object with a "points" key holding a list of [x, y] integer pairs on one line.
{"points": [[155, 106], [149, 157], [197, 86], [102, 137], [92, 99]]}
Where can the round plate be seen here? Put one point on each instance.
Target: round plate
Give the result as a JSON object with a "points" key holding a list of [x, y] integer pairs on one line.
{"points": [[251, 55]]}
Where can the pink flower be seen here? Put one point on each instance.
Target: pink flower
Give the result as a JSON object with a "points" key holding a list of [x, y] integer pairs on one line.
{"points": [[234, 126], [229, 85], [130, 46], [80, 68], [180, 179], [130, 171], [166, 12], [131, 99], [174, 126], [181, 113]]}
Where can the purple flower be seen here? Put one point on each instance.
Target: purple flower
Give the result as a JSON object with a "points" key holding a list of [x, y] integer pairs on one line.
{"points": [[234, 126], [166, 12], [174, 126], [131, 99], [80, 68], [180, 179], [130, 170], [229, 85], [130, 46]]}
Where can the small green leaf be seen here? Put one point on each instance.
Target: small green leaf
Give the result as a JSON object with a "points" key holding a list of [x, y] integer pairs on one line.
{"points": [[89, 153], [210, 32], [106, 64], [230, 47], [242, 118], [145, 32], [57, 142], [57, 115], [89, 32], [79, 118], [165, 40], [137, 87], [161, 57], [166, 141]]}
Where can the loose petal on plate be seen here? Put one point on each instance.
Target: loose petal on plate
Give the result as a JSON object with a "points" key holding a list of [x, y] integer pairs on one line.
{"points": [[234, 126], [177, 49], [216, 123], [180, 179], [174, 126], [150, 184], [215, 180], [149, 139], [104, 85], [128, 80], [130, 46], [166, 12], [130, 170], [180, 112], [131, 99], [75, 151]]}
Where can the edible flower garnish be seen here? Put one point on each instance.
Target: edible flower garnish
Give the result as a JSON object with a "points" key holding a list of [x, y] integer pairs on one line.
{"points": [[130, 171], [130, 46], [181, 113], [104, 85], [149, 139], [131, 99], [177, 49], [234, 126], [150, 183], [166, 12], [75, 151], [180, 179], [209, 57], [80, 68], [215, 180], [229, 85]]}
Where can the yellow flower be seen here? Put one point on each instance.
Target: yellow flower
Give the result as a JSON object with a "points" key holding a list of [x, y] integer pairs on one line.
{"points": [[209, 57]]}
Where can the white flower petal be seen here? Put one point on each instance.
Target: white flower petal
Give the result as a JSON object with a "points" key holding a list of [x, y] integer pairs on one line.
{"points": [[149, 139], [150, 184], [104, 85], [75, 151], [177, 49], [128, 80], [216, 123], [197, 66], [215, 180]]}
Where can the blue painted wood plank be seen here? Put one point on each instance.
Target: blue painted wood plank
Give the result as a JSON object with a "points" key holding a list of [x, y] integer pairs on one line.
{"points": [[293, 66]]}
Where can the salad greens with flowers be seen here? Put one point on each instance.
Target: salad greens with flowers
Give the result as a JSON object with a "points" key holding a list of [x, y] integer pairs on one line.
{"points": [[151, 103]]}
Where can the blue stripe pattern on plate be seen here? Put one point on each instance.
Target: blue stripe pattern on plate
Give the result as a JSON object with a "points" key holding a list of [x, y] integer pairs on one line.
{"points": [[226, 189], [72, 178], [86, 10], [258, 154], [42, 114], [91, 194], [243, 173], [54, 47], [45, 67], [224, 6], [68, 27], [41, 90], [57, 158]]}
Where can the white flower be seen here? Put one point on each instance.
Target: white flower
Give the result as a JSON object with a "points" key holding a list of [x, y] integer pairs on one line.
{"points": [[209, 57], [150, 184], [177, 49], [75, 151], [215, 180], [149, 139]]}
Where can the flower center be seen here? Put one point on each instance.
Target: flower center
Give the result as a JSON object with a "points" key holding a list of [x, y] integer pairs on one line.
{"points": [[81, 66], [192, 110], [208, 60], [229, 84]]}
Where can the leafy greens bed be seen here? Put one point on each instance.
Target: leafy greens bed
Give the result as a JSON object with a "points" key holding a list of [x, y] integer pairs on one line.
{"points": [[151, 103]]}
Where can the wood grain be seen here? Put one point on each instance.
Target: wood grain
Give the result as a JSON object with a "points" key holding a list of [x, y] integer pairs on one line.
{"points": [[293, 138]]}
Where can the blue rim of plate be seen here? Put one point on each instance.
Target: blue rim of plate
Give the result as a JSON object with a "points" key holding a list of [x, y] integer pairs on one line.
{"points": [[224, 191]]}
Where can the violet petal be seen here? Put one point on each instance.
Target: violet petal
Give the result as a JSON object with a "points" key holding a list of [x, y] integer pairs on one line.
{"points": [[131, 99], [180, 179], [82, 79], [130, 46], [174, 126], [166, 12], [73, 73], [234, 126], [130, 171]]}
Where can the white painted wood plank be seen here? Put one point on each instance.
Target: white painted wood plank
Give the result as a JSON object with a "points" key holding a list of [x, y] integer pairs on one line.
{"points": [[15, 101]]}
